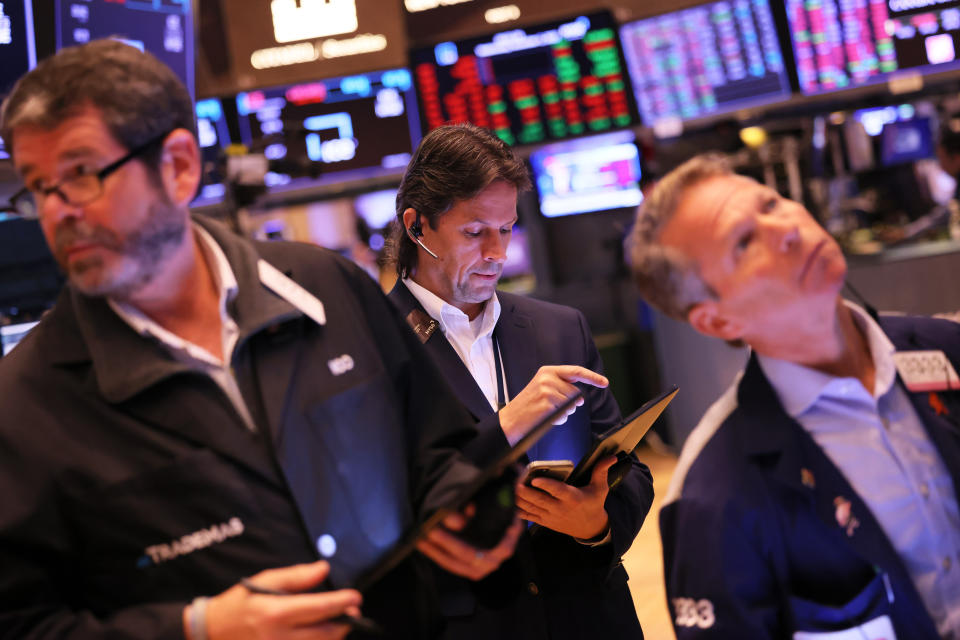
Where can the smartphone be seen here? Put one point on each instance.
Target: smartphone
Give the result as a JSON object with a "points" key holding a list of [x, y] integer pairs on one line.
{"points": [[555, 469]]}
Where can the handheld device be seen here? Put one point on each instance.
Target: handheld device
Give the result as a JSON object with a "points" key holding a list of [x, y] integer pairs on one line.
{"points": [[554, 469], [495, 483]]}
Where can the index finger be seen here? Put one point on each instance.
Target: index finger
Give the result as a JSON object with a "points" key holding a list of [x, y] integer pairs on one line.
{"points": [[312, 608], [575, 373]]}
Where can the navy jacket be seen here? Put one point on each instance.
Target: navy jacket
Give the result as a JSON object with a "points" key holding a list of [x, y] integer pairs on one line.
{"points": [[752, 545], [558, 588], [130, 484]]}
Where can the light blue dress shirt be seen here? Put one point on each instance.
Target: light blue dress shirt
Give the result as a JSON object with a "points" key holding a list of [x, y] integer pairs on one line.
{"points": [[878, 443]]}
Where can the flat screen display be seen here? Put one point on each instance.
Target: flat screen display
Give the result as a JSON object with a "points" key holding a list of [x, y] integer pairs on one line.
{"points": [[377, 209], [841, 44], [213, 136], [597, 173], [874, 119], [357, 126], [705, 60], [906, 141], [18, 51], [161, 27], [530, 85]]}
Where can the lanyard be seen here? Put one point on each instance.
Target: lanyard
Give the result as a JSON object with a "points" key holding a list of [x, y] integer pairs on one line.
{"points": [[499, 367]]}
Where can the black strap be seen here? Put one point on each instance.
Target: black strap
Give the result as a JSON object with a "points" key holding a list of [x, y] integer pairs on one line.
{"points": [[496, 363]]}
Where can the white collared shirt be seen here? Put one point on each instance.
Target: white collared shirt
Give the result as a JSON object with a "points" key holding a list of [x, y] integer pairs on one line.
{"points": [[472, 340], [876, 440], [188, 352]]}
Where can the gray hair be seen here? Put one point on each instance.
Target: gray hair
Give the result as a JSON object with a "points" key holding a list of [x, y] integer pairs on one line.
{"points": [[668, 279], [137, 96]]}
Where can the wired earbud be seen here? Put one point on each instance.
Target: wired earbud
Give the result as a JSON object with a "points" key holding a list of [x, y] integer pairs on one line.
{"points": [[416, 232]]}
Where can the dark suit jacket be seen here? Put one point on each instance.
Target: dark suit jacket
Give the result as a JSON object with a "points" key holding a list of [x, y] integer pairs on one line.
{"points": [[130, 485], [563, 589], [753, 551]]}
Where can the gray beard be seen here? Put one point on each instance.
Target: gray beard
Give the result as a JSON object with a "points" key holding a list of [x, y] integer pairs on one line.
{"points": [[146, 248]]}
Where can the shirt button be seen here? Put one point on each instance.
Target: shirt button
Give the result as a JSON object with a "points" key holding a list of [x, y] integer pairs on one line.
{"points": [[326, 545], [925, 490], [947, 563], [533, 588]]}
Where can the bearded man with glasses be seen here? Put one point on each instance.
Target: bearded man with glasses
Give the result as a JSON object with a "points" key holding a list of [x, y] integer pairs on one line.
{"points": [[197, 408]]}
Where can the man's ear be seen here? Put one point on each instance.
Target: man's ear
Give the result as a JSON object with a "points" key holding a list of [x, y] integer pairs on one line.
{"points": [[409, 217], [707, 318], [180, 166]]}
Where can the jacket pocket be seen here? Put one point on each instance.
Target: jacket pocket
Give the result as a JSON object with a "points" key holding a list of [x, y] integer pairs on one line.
{"points": [[871, 602]]}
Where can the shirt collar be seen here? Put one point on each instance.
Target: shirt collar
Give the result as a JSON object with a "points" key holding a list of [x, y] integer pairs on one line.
{"points": [[799, 387], [447, 314]]}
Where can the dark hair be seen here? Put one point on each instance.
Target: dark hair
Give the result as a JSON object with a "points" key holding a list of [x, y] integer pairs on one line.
{"points": [[137, 96], [667, 279], [949, 138], [451, 164]]}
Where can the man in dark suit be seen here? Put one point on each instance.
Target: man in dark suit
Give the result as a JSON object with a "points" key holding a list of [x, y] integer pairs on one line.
{"points": [[197, 408], [817, 498], [509, 358]]}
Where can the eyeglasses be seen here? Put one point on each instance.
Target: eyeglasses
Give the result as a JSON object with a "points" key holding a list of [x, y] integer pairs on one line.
{"points": [[77, 190]]}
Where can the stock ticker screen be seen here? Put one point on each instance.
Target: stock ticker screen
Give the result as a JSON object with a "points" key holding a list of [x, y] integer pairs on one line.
{"points": [[840, 44], [706, 60], [18, 52], [357, 126], [548, 82], [161, 27]]}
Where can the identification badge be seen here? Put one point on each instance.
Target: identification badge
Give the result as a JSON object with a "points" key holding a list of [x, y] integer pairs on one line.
{"points": [[926, 371], [877, 629]]}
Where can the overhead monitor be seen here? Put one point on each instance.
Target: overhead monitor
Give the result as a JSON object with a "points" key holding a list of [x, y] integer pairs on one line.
{"points": [[705, 60], [874, 119], [163, 28], [251, 44], [18, 51], [529, 85], [597, 173], [353, 127], [213, 136], [906, 141], [377, 209], [850, 43]]}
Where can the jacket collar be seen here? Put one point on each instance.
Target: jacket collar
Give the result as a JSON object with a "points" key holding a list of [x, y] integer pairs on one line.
{"points": [[515, 330], [124, 363], [453, 369]]}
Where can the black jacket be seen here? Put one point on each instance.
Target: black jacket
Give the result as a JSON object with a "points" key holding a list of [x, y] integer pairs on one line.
{"points": [[555, 587], [131, 485]]}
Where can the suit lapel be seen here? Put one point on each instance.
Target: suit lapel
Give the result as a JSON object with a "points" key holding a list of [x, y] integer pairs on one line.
{"points": [[939, 413], [775, 441], [518, 348], [454, 371]]}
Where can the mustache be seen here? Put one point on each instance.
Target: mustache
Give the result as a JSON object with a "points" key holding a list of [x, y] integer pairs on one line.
{"points": [[69, 235]]}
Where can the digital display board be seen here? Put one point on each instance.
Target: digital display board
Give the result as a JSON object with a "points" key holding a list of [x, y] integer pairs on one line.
{"points": [[18, 51], [163, 28], [212, 136], [252, 44], [529, 85], [598, 173], [357, 126], [705, 60], [840, 44], [906, 141], [17, 48]]}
